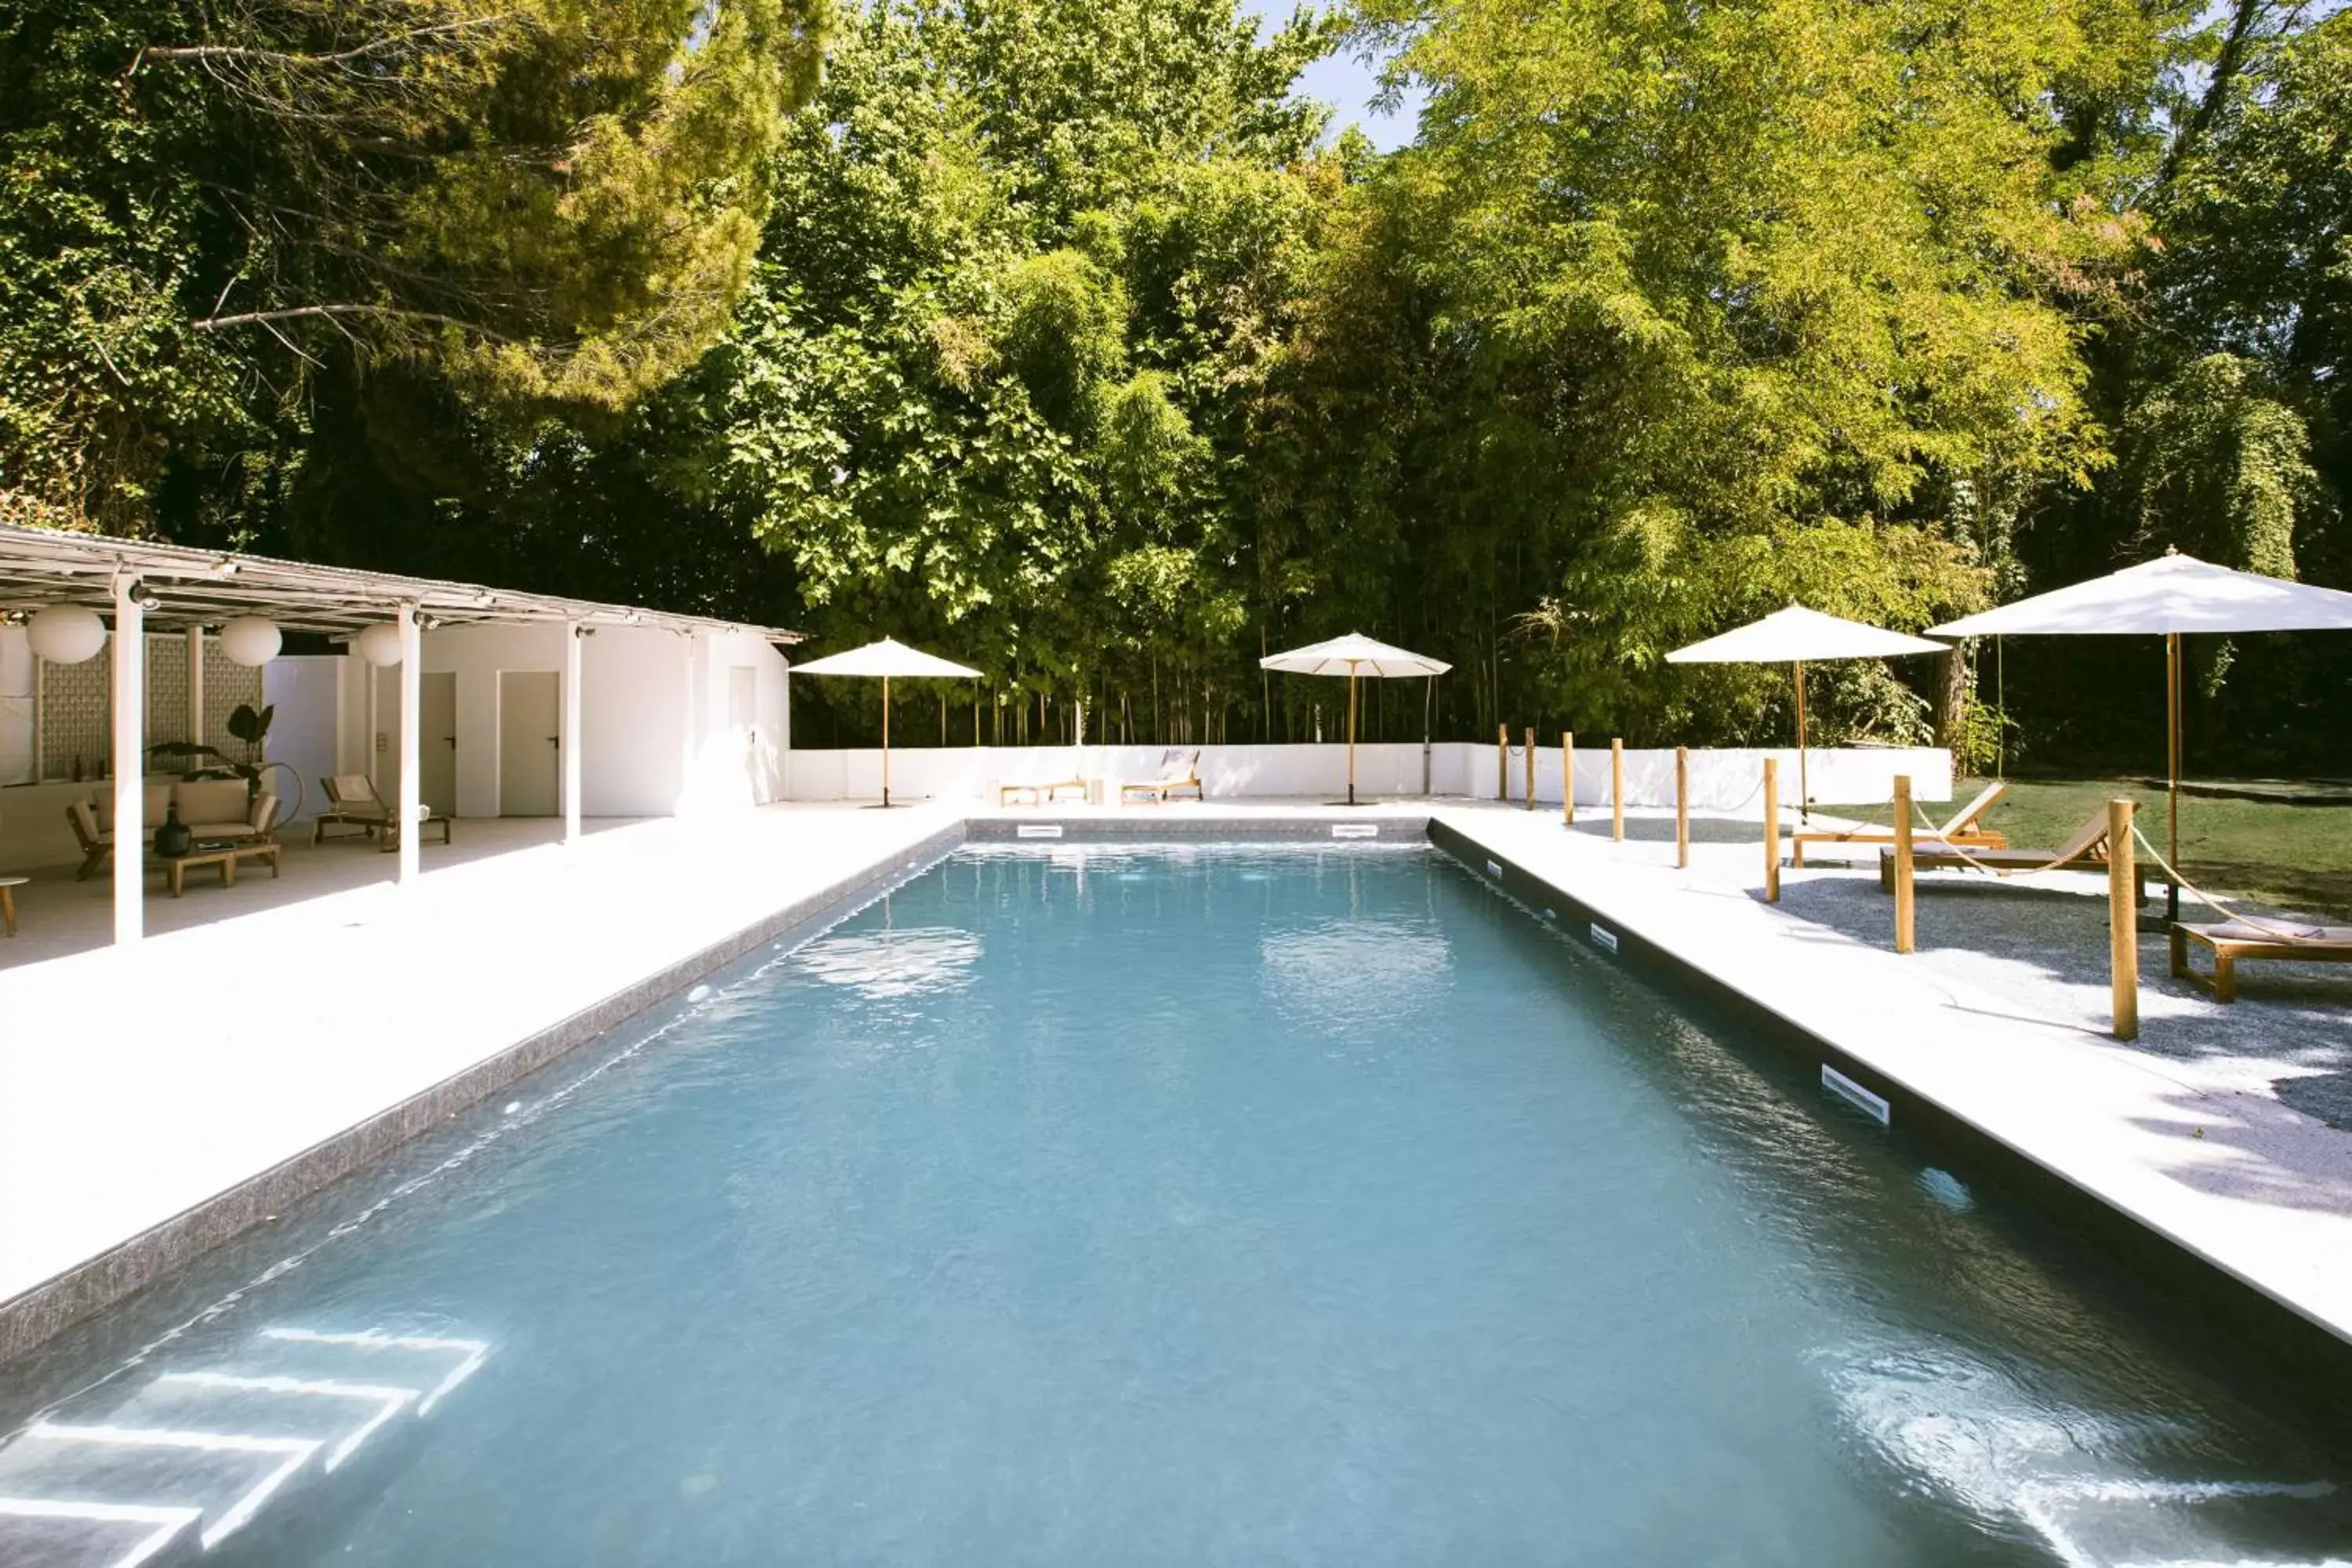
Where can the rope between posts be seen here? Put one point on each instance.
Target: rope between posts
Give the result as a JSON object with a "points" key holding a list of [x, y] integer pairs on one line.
{"points": [[2288, 935], [1960, 852]]}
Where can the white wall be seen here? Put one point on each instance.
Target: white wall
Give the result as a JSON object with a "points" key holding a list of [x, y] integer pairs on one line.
{"points": [[736, 766], [17, 676], [654, 739], [305, 690], [1726, 779]]}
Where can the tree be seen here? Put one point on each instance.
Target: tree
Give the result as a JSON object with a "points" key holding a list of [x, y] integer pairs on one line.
{"points": [[551, 204]]}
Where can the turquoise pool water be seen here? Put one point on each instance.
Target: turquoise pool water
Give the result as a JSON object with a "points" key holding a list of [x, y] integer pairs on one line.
{"points": [[1221, 1204]]}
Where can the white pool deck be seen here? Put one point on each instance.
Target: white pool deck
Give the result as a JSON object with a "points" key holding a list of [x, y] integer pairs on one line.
{"points": [[265, 1018]]}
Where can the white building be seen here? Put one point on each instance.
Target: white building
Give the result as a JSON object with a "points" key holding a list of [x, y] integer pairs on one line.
{"points": [[479, 703]]}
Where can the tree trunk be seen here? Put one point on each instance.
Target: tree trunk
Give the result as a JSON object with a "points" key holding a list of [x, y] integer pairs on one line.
{"points": [[1951, 698]]}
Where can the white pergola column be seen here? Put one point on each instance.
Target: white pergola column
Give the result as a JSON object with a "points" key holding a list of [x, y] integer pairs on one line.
{"points": [[573, 635], [130, 775], [195, 686], [411, 724]]}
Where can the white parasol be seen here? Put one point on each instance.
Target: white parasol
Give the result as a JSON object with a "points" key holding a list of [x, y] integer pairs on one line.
{"points": [[885, 660], [1799, 637], [1353, 656]]}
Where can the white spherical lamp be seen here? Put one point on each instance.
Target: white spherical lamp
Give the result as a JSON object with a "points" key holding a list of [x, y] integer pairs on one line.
{"points": [[66, 634], [250, 641], [379, 644]]}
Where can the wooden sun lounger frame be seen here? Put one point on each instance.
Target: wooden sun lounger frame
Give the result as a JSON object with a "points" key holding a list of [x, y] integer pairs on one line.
{"points": [[1039, 793], [1961, 829], [375, 816], [1158, 790], [2087, 851], [2334, 948]]}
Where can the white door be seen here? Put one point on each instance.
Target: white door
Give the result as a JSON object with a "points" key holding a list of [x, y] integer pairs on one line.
{"points": [[743, 723], [437, 757], [530, 767]]}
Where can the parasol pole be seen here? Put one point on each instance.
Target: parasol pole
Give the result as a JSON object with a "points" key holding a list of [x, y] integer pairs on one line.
{"points": [[1352, 732], [1804, 788], [886, 742], [2172, 769]]}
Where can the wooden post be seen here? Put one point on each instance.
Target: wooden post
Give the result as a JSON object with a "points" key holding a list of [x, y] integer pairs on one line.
{"points": [[1568, 778], [1903, 933], [2122, 919], [1503, 762], [1681, 807], [1616, 788], [2171, 773], [1771, 830], [1532, 767]]}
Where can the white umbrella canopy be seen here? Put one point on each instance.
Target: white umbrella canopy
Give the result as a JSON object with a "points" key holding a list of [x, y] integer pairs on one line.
{"points": [[2166, 598], [885, 660], [1798, 637], [1353, 656]]}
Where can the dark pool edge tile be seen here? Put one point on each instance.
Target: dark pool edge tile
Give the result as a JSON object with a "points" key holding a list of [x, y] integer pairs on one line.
{"points": [[34, 1316], [2308, 1357]]}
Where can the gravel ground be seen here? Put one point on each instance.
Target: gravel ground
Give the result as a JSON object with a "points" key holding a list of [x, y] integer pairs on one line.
{"points": [[2041, 946]]}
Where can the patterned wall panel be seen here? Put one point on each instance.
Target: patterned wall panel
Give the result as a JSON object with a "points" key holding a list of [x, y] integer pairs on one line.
{"points": [[78, 701]]}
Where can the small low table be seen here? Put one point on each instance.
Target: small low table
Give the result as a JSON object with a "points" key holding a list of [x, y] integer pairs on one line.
{"points": [[224, 856], [8, 886]]}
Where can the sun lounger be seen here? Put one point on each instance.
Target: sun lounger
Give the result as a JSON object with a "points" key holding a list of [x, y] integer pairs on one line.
{"points": [[1039, 793], [1961, 829], [352, 802], [2085, 851], [2231, 940], [1180, 770]]}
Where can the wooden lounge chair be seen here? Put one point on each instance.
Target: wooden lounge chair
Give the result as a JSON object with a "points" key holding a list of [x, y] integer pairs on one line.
{"points": [[1961, 829], [352, 802], [1039, 793], [2085, 851], [2231, 940], [1180, 770]]}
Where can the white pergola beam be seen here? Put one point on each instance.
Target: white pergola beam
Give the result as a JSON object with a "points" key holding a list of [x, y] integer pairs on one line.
{"points": [[573, 636], [412, 725], [130, 733]]}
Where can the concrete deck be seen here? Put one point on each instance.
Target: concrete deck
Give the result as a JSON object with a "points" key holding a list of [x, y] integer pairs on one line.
{"points": [[134, 1084], [265, 1018]]}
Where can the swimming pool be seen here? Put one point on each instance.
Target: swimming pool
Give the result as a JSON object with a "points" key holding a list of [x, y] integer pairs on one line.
{"points": [[1148, 1203]]}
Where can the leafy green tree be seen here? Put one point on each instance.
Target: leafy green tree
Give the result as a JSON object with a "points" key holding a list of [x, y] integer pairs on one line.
{"points": [[552, 203]]}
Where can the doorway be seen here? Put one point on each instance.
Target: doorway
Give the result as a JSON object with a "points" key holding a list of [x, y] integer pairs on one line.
{"points": [[436, 763], [529, 765]]}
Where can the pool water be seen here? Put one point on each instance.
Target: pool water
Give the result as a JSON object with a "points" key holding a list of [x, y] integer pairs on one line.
{"points": [[1285, 1204]]}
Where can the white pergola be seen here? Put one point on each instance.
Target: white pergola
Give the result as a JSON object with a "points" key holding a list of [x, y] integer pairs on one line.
{"points": [[142, 586]]}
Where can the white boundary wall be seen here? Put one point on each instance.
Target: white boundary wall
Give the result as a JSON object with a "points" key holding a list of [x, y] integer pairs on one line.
{"points": [[1722, 780]]}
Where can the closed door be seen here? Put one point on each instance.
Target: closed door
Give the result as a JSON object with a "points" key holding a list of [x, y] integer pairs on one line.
{"points": [[742, 697], [529, 766], [438, 765]]}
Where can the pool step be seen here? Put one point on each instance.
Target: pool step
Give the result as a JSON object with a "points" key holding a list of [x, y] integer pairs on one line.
{"points": [[165, 1473]]}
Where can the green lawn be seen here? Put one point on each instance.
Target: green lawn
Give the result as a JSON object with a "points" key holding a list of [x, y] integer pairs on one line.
{"points": [[2299, 855]]}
